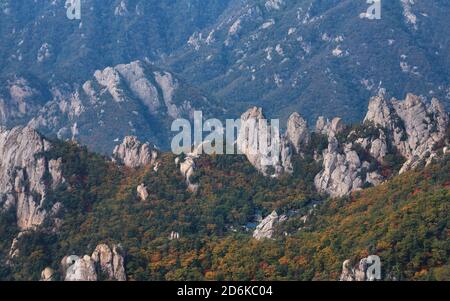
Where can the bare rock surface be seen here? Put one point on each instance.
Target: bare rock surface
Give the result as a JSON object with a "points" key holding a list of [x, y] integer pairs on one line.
{"points": [[142, 192], [23, 175], [106, 260], [297, 132], [135, 154], [269, 161], [414, 127], [266, 229]]}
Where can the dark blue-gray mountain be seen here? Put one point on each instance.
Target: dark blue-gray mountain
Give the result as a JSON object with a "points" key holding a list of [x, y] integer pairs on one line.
{"points": [[313, 56]]}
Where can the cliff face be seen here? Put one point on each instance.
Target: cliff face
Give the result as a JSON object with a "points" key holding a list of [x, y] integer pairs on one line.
{"points": [[266, 228], [249, 143], [411, 128], [19, 100], [26, 177], [105, 259], [128, 99], [414, 127], [297, 132], [133, 153]]}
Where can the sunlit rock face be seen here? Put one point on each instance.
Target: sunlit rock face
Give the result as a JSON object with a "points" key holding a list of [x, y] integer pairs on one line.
{"points": [[266, 228], [105, 259], [414, 127], [297, 132], [273, 160], [23, 172], [341, 170], [133, 99], [134, 154]]}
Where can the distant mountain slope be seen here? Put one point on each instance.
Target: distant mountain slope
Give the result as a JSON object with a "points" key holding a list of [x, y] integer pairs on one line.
{"points": [[38, 38], [321, 57], [311, 56], [128, 99]]}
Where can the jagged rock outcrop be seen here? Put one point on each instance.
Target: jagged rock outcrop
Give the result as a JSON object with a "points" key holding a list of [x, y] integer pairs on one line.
{"points": [[187, 169], [297, 132], [409, 127], [127, 99], [330, 128], [110, 261], [266, 229], [174, 236], [104, 259], [14, 249], [23, 175], [134, 154], [413, 127], [360, 272], [275, 158], [342, 170], [142, 192], [47, 274], [80, 269]]}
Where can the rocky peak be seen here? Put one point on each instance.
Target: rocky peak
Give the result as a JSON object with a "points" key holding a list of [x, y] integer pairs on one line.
{"points": [[104, 259], [23, 184], [266, 229], [109, 78], [321, 125], [139, 83], [248, 143], [134, 154], [128, 99], [80, 269], [110, 261], [329, 128], [297, 132], [342, 170], [414, 127], [357, 273], [381, 111]]}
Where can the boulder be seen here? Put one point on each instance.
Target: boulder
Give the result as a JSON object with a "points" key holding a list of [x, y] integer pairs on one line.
{"points": [[83, 269], [109, 261], [297, 132], [265, 230], [142, 192]]}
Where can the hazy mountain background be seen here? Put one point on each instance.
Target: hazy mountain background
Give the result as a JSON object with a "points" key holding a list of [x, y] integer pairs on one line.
{"points": [[313, 56], [341, 191]]}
